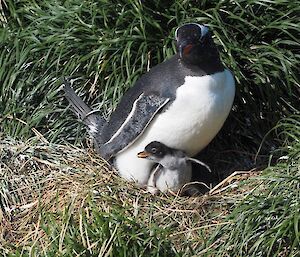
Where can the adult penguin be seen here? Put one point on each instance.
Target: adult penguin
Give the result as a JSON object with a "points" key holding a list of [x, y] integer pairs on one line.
{"points": [[182, 102]]}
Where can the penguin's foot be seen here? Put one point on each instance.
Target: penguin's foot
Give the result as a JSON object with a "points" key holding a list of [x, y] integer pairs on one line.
{"points": [[152, 190]]}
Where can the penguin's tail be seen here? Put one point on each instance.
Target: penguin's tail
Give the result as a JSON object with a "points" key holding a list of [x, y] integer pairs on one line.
{"points": [[94, 122]]}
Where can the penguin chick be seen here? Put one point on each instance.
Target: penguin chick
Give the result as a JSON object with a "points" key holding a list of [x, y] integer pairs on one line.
{"points": [[174, 167]]}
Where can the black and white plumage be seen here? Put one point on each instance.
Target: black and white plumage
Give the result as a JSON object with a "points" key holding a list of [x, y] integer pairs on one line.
{"points": [[182, 102], [174, 167]]}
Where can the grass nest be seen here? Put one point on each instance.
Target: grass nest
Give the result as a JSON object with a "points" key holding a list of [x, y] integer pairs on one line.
{"points": [[65, 199]]}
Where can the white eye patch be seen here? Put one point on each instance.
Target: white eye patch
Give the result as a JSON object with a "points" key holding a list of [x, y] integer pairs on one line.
{"points": [[176, 36], [204, 29]]}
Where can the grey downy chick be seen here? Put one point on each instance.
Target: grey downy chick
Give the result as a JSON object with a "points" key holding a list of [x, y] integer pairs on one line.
{"points": [[174, 167]]}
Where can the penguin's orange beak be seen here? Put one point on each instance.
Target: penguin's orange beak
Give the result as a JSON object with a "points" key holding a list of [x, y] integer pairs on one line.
{"points": [[184, 49], [143, 154]]}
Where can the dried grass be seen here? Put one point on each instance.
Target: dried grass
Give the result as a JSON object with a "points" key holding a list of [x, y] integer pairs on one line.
{"points": [[39, 178]]}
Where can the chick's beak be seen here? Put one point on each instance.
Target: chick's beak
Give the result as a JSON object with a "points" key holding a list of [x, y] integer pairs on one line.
{"points": [[143, 154]]}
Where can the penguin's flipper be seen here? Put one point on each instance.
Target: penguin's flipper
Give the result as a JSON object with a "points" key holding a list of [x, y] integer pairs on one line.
{"points": [[141, 114], [83, 111]]}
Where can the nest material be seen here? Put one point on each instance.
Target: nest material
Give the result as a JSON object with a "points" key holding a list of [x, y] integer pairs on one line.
{"points": [[39, 177]]}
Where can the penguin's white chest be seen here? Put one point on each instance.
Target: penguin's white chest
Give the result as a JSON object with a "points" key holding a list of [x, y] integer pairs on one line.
{"points": [[191, 121]]}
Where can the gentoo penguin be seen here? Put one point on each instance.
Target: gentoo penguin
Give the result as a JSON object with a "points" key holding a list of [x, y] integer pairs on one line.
{"points": [[174, 167], [182, 103]]}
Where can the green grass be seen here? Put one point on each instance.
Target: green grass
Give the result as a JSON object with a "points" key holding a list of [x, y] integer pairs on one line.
{"points": [[266, 222], [108, 45], [82, 207], [98, 233]]}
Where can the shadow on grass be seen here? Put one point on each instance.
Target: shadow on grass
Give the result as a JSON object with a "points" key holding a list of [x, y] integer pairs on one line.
{"points": [[233, 149]]}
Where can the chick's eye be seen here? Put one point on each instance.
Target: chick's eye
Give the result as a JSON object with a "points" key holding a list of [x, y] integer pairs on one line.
{"points": [[153, 150]]}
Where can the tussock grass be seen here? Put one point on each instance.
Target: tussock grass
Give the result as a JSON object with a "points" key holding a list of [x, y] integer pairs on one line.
{"points": [[60, 199], [70, 203], [107, 45], [266, 222]]}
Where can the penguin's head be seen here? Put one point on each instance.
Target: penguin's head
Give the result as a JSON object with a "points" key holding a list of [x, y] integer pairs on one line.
{"points": [[154, 151], [195, 44]]}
